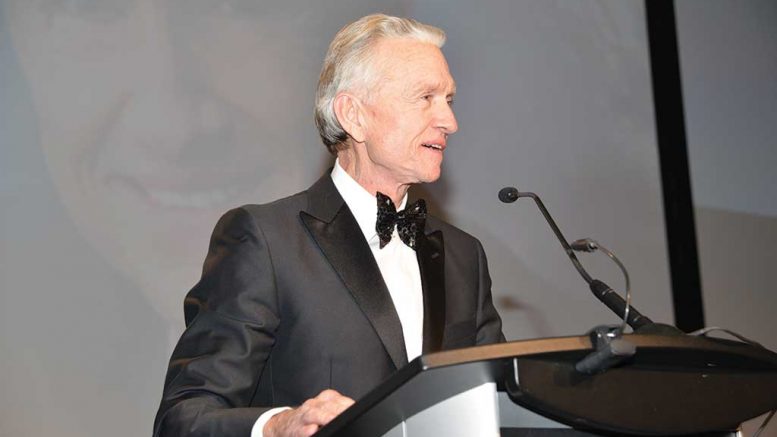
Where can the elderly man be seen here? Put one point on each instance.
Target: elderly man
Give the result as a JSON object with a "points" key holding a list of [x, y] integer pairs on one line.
{"points": [[311, 301]]}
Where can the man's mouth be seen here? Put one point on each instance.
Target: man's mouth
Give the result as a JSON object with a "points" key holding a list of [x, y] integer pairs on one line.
{"points": [[435, 146]]}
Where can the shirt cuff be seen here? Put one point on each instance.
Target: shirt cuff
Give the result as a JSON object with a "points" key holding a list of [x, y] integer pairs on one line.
{"points": [[258, 428]]}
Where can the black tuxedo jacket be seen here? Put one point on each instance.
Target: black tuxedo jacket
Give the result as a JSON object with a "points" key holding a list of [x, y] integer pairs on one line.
{"points": [[291, 302]]}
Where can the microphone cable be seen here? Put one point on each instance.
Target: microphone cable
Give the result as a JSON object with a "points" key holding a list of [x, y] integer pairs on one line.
{"points": [[589, 245]]}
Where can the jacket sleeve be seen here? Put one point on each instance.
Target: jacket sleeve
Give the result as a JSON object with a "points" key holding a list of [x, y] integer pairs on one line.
{"points": [[231, 317], [489, 324]]}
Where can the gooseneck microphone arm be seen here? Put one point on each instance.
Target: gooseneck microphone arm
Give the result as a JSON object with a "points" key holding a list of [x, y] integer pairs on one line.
{"points": [[602, 291], [511, 194]]}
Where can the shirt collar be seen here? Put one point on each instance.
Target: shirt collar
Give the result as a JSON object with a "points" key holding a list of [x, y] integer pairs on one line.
{"points": [[363, 205]]}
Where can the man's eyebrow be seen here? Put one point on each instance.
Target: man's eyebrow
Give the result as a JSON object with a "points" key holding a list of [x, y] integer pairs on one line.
{"points": [[427, 87]]}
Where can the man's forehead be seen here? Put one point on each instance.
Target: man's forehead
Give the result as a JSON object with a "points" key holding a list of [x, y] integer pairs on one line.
{"points": [[417, 65], [421, 84]]}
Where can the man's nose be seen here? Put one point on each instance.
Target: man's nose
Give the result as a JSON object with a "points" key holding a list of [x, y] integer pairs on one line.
{"points": [[446, 119]]}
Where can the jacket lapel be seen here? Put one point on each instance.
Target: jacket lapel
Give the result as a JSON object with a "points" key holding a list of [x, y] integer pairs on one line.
{"points": [[431, 261], [336, 232]]}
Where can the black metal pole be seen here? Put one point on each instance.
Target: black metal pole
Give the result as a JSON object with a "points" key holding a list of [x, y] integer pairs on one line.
{"points": [[673, 156]]}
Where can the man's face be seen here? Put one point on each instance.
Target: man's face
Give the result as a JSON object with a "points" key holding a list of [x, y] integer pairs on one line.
{"points": [[408, 113]]}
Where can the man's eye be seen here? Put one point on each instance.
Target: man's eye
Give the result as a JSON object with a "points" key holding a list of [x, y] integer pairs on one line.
{"points": [[427, 97]]}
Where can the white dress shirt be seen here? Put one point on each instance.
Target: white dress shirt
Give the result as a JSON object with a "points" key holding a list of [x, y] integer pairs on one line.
{"points": [[397, 263]]}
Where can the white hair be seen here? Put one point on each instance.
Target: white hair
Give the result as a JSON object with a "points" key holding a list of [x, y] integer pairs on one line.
{"points": [[347, 65]]}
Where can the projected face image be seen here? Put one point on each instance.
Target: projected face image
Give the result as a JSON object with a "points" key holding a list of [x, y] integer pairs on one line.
{"points": [[154, 119]]}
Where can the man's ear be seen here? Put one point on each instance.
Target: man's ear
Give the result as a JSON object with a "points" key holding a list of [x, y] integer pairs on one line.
{"points": [[348, 110]]}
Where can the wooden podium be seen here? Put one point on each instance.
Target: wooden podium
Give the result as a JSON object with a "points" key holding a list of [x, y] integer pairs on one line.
{"points": [[672, 385]]}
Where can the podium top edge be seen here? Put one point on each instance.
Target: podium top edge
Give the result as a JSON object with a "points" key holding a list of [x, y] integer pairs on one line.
{"points": [[559, 345]]}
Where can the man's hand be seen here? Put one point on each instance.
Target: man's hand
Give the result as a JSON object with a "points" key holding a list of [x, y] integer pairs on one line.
{"points": [[305, 420]]}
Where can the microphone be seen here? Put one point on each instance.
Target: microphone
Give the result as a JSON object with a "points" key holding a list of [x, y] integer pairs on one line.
{"points": [[616, 304], [602, 291], [508, 194], [511, 194]]}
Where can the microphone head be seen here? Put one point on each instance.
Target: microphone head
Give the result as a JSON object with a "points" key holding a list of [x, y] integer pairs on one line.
{"points": [[584, 245], [508, 194]]}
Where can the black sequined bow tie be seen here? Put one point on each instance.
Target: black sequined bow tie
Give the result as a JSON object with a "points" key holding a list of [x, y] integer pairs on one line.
{"points": [[410, 221]]}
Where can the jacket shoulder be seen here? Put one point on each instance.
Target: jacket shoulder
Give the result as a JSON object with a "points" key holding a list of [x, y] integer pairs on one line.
{"points": [[288, 205]]}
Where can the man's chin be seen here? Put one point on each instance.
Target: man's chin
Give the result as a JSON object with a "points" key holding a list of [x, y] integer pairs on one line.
{"points": [[432, 176]]}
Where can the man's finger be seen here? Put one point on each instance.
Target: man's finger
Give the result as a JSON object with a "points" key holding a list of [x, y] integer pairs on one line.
{"points": [[308, 430], [330, 395], [317, 415], [342, 403], [310, 416], [332, 401]]}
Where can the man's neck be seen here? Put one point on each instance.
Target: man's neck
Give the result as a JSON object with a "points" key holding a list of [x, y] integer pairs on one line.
{"points": [[372, 181]]}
